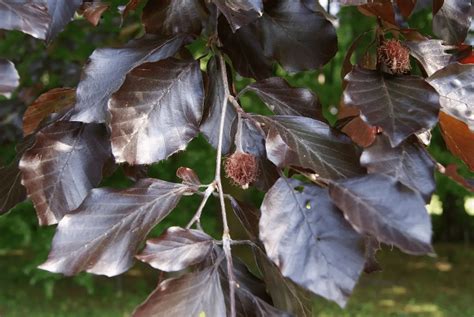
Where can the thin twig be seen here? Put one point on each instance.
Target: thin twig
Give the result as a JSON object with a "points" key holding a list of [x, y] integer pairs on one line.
{"points": [[226, 234], [197, 216]]}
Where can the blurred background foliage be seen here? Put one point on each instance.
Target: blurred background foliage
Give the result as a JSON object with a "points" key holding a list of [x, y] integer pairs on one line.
{"points": [[25, 290]]}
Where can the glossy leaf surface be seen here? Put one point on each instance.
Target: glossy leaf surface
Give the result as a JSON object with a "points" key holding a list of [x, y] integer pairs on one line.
{"points": [[193, 294], [157, 111], [27, 16], [312, 144], [177, 249], [55, 100], [381, 206], [320, 238], [106, 70], [431, 54], [61, 13], [283, 99], [240, 12], [451, 23], [455, 85], [400, 105], [408, 162], [173, 17], [63, 165], [9, 78], [103, 235]]}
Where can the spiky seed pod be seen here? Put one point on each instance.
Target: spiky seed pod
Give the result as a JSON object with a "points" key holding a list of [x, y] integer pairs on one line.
{"points": [[395, 56], [242, 168]]}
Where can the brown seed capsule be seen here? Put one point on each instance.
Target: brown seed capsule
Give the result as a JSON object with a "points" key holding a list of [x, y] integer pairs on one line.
{"points": [[395, 56], [242, 168]]}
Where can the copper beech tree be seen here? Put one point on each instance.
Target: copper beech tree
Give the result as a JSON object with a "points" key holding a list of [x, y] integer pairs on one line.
{"points": [[333, 193]]}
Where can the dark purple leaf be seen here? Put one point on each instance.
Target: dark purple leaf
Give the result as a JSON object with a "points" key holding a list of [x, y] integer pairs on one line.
{"points": [[283, 99], [324, 255], [245, 51], [188, 176], [298, 38], [177, 249], [381, 206], [12, 191], [400, 105], [194, 294], [63, 165], [167, 17], [431, 54], [251, 298], [285, 294], [55, 100], [408, 162], [107, 68], [455, 85], [240, 12], [135, 172], [252, 141], [103, 235], [311, 144], [451, 23], [157, 111], [372, 246], [61, 13], [9, 78], [213, 108], [27, 16], [248, 216]]}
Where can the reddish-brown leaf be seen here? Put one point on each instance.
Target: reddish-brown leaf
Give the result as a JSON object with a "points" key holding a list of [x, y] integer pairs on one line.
{"points": [[459, 139], [93, 11], [52, 101]]}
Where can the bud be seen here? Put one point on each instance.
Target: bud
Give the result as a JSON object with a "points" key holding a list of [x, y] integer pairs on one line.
{"points": [[242, 168], [395, 56]]}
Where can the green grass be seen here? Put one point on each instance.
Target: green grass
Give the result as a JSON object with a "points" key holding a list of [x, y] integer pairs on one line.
{"points": [[408, 286]]}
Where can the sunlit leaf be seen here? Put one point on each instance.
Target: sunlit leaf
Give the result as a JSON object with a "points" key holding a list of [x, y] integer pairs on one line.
{"points": [[177, 249], [55, 100], [106, 71], [27, 16], [381, 206], [240, 12], [451, 23], [458, 137], [320, 238], [93, 11], [9, 78], [103, 235], [409, 162], [63, 165], [312, 144], [61, 13], [455, 85], [157, 111], [432, 54], [400, 105], [193, 294], [173, 16]]}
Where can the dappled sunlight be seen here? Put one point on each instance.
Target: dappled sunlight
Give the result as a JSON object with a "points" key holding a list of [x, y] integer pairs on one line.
{"points": [[443, 266], [431, 309], [387, 302]]}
